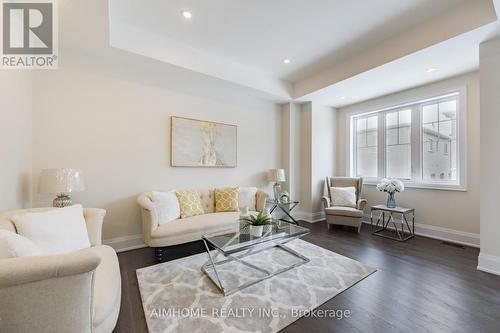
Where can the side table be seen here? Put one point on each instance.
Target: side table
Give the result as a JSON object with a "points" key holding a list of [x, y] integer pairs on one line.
{"points": [[387, 216], [285, 207]]}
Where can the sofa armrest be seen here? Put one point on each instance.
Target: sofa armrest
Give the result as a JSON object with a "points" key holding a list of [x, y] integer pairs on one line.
{"points": [[362, 204], [22, 270], [149, 217], [261, 198], [145, 202], [48, 293], [326, 201], [94, 217]]}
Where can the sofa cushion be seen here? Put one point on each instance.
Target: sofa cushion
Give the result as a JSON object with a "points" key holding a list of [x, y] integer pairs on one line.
{"points": [[13, 245], [247, 197], [226, 199], [207, 199], [107, 288], [166, 206], [56, 231], [344, 211], [197, 224], [190, 203]]}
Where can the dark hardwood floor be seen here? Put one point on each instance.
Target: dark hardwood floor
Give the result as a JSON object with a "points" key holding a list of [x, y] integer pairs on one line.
{"points": [[421, 286]]}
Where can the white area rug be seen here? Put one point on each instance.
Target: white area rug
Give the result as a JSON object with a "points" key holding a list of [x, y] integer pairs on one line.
{"points": [[178, 297]]}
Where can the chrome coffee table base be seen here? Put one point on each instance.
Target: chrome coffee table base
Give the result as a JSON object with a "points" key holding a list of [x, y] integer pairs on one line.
{"points": [[210, 268]]}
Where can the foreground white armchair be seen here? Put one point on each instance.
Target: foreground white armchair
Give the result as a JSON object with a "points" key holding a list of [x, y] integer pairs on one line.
{"points": [[74, 292]]}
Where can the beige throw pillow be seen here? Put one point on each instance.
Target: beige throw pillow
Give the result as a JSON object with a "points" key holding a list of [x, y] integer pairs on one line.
{"points": [[189, 203], [226, 199], [343, 196]]}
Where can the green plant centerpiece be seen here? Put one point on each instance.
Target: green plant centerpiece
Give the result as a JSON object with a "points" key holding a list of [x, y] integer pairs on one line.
{"points": [[257, 223]]}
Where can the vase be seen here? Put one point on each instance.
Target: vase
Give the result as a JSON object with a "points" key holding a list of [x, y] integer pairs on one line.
{"points": [[256, 230], [391, 200]]}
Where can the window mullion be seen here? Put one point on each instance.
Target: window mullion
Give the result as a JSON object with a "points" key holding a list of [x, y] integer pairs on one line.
{"points": [[416, 143], [354, 149], [381, 165]]}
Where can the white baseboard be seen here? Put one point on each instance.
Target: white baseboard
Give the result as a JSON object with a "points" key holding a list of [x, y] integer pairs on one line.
{"points": [[488, 263], [309, 217], [126, 243], [450, 235]]}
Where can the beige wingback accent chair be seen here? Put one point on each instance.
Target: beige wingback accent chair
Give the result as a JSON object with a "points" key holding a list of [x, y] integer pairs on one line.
{"points": [[344, 215]]}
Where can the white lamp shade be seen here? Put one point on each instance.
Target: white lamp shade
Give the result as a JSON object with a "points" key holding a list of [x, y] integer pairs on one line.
{"points": [[61, 181], [276, 175]]}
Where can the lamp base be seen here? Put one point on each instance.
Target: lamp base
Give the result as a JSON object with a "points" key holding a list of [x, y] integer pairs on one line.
{"points": [[277, 191], [62, 200]]}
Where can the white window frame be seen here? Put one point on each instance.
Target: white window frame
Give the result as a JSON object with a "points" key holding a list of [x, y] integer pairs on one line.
{"points": [[416, 142]]}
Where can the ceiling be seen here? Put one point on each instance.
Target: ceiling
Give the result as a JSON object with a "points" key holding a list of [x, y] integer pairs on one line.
{"points": [[336, 47], [452, 57], [261, 33]]}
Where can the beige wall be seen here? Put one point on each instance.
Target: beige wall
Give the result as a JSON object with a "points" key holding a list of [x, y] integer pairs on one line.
{"points": [[112, 122], [489, 258], [447, 209], [15, 138]]}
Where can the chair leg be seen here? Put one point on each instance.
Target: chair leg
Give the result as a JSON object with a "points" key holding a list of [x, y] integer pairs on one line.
{"points": [[328, 225], [159, 254], [359, 229]]}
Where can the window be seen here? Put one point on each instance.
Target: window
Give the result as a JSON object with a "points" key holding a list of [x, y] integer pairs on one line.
{"points": [[439, 125], [366, 146], [398, 144], [417, 142]]}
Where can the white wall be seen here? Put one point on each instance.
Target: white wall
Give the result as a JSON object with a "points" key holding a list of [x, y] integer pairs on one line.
{"points": [[291, 138], [489, 258], [456, 212], [323, 152], [112, 121], [306, 198], [15, 138], [309, 154]]}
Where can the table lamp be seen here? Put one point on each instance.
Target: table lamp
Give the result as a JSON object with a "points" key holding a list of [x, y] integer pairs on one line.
{"points": [[277, 176], [61, 182]]}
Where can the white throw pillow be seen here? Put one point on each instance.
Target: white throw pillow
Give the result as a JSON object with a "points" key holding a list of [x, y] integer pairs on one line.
{"points": [[166, 205], [13, 245], [56, 231], [343, 196], [246, 197]]}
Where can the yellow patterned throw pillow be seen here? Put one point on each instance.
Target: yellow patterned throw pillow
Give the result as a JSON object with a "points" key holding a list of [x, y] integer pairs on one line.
{"points": [[190, 203], [226, 199]]}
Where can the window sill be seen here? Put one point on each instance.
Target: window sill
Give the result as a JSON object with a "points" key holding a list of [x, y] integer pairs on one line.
{"points": [[426, 186]]}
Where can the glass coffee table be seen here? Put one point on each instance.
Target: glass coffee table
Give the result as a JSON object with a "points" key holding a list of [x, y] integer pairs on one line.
{"points": [[238, 245]]}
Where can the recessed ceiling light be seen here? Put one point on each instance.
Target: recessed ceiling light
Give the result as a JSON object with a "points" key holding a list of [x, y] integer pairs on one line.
{"points": [[430, 70], [187, 14], [342, 97], [286, 61]]}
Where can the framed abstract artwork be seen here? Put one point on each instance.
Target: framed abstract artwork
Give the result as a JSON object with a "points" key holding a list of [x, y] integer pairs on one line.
{"points": [[205, 144]]}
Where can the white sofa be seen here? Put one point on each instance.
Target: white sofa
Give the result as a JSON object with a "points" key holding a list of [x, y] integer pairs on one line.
{"points": [[74, 292], [179, 231]]}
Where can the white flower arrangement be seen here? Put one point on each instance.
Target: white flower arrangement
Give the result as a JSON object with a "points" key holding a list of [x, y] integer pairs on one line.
{"points": [[390, 185]]}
